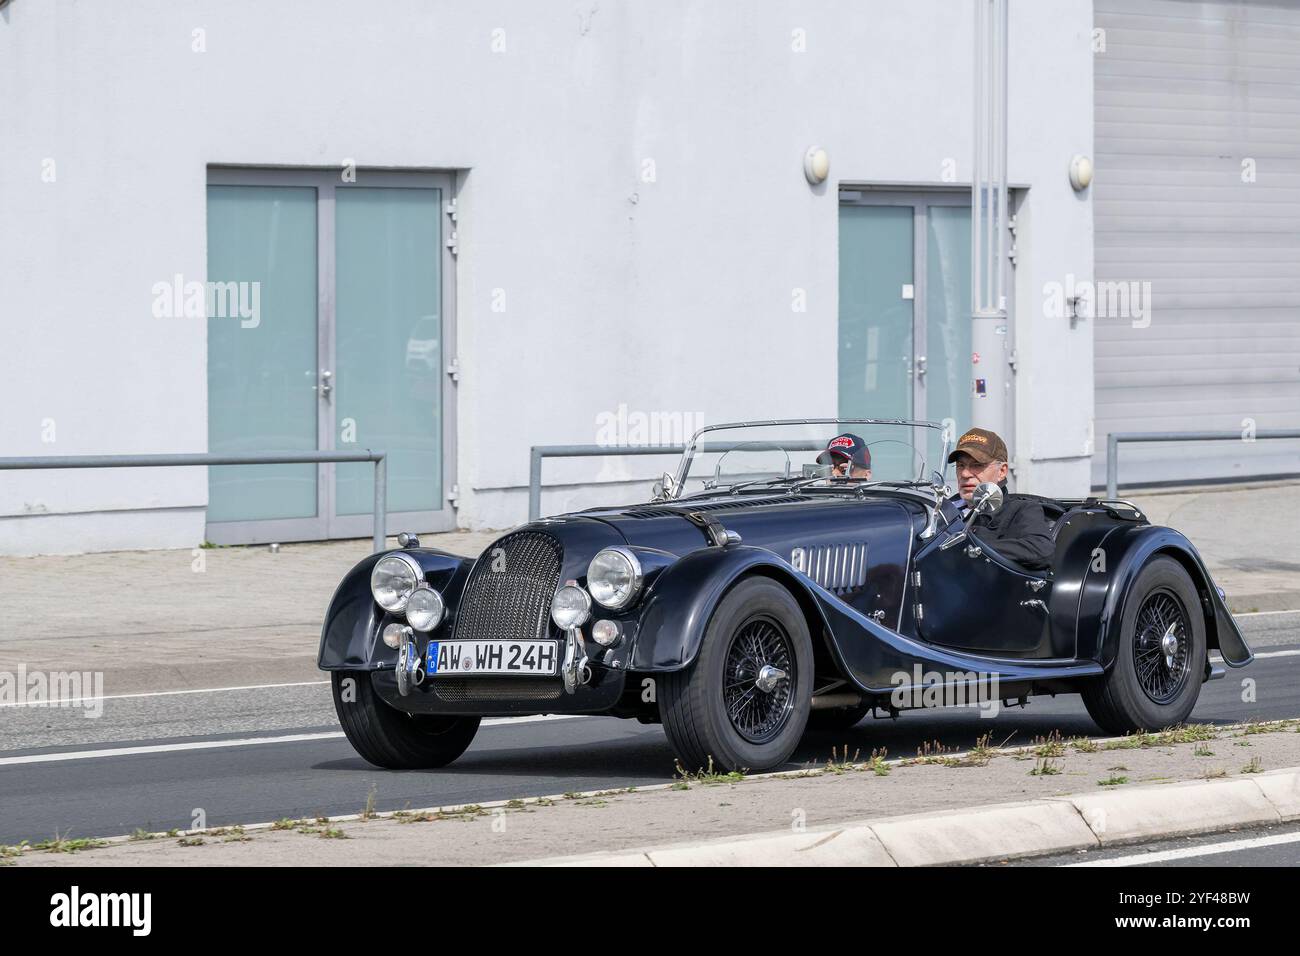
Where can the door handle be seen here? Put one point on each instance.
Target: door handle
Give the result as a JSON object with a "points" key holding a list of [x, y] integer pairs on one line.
{"points": [[920, 366], [326, 384]]}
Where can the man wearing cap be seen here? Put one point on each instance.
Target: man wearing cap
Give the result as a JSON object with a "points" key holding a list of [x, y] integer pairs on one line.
{"points": [[1018, 530], [848, 457]]}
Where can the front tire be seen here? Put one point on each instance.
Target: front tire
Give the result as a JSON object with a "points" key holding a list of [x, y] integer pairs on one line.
{"points": [[393, 739], [743, 704], [1160, 662]]}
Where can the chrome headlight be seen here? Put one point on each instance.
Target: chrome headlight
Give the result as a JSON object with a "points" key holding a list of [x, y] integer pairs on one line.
{"points": [[570, 607], [393, 580], [424, 609], [614, 578]]}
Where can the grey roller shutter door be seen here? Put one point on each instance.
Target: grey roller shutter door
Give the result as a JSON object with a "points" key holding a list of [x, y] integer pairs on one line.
{"points": [[1186, 93]]}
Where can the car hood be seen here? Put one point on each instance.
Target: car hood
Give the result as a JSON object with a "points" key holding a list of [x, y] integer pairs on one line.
{"points": [[775, 522]]}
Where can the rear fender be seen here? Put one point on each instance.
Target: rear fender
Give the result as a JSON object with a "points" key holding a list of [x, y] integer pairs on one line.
{"points": [[1126, 552]]}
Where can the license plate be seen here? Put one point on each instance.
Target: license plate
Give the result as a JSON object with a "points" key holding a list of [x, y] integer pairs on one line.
{"points": [[493, 657]]}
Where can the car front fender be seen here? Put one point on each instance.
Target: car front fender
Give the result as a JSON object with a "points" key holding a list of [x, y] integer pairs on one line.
{"points": [[350, 635], [679, 604]]}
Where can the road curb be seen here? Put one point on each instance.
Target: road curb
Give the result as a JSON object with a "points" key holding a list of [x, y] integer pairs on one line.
{"points": [[995, 832]]}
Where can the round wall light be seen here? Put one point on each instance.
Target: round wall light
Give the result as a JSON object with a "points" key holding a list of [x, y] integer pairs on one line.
{"points": [[1080, 173], [816, 165]]}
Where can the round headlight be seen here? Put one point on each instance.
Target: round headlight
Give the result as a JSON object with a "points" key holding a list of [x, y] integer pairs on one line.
{"points": [[424, 609], [570, 607], [614, 577], [393, 580]]}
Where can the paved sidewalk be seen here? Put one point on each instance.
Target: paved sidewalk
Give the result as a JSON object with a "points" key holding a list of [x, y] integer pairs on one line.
{"points": [[1249, 536], [223, 617], [178, 620]]}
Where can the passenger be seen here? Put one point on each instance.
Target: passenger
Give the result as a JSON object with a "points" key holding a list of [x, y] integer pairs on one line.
{"points": [[1018, 530], [848, 457]]}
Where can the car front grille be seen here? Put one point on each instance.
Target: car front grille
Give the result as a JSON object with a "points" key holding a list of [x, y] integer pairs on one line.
{"points": [[459, 690], [508, 595]]}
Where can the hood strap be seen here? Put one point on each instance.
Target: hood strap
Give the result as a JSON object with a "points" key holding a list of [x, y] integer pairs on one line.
{"points": [[711, 526]]}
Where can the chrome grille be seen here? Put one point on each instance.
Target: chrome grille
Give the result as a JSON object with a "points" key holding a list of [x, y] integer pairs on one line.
{"points": [[836, 567], [508, 595]]}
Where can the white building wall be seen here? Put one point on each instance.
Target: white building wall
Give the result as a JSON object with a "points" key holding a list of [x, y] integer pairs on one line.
{"points": [[667, 296]]}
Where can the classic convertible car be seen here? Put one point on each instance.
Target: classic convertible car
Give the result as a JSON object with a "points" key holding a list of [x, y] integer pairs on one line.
{"points": [[756, 594]]}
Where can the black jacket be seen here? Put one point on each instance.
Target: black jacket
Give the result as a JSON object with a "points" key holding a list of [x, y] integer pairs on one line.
{"points": [[1018, 531]]}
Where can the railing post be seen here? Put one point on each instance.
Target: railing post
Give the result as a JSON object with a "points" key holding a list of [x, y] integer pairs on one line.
{"points": [[1112, 466], [534, 483], [381, 502]]}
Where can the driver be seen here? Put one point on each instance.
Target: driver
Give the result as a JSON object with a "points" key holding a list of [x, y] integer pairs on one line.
{"points": [[848, 457], [1019, 529]]}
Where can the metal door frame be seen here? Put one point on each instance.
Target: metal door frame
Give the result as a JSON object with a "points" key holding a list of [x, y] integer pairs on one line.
{"points": [[920, 200], [327, 524]]}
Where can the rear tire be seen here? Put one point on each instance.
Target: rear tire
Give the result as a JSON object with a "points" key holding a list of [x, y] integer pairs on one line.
{"points": [[717, 710], [393, 739], [1143, 690]]}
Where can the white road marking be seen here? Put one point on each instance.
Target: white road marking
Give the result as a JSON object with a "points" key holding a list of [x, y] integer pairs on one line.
{"points": [[1293, 653], [240, 742], [1162, 856], [158, 693], [1294, 610]]}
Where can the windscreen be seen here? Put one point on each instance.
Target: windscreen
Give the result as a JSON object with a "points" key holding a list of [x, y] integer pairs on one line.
{"points": [[773, 453]]}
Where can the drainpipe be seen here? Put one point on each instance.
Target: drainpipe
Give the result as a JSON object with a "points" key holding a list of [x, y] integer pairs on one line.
{"points": [[990, 335]]}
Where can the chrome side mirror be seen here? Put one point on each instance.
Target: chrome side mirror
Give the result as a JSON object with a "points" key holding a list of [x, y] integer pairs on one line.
{"points": [[663, 488], [987, 499]]}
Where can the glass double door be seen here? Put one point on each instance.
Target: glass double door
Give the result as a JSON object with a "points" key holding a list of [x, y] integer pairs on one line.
{"points": [[327, 309], [905, 310]]}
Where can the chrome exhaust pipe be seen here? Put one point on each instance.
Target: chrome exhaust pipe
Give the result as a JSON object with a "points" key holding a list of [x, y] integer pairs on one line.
{"points": [[829, 701]]}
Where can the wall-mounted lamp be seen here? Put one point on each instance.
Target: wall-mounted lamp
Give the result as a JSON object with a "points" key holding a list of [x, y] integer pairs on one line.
{"points": [[1080, 173], [816, 165]]}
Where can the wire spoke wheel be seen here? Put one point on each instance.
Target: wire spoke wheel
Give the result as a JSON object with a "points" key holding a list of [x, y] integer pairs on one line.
{"points": [[758, 679], [1160, 646]]}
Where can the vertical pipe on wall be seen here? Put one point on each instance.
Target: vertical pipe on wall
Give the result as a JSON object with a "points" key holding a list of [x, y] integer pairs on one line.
{"points": [[990, 370]]}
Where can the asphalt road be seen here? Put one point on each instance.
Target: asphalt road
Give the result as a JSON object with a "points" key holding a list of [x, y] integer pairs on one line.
{"points": [[258, 754], [1257, 846]]}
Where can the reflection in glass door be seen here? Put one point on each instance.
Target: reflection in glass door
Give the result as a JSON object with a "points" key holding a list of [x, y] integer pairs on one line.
{"points": [[262, 366], [904, 317], [388, 341], [350, 351]]}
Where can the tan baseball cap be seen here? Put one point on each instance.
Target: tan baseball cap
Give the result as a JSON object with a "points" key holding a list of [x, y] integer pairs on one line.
{"points": [[982, 445]]}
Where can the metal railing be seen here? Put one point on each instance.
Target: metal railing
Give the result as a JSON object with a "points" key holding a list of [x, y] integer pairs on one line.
{"points": [[538, 452], [204, 459], [1114, 438]]}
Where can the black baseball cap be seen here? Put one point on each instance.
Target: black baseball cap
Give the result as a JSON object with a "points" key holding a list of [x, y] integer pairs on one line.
{"points": [[846, 446]]}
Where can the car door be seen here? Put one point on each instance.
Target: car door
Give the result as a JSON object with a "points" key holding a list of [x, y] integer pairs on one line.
{"points": [[970, 598]]}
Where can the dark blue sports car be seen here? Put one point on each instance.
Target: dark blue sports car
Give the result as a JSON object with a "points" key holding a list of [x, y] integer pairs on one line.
{"points": [[757, 594]]}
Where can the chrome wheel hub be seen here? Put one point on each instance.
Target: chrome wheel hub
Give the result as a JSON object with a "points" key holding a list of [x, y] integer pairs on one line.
{"points": [[1169, 645], [769, 677]]}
